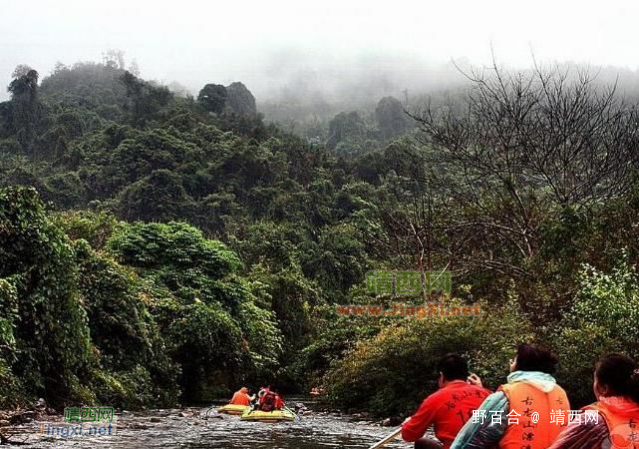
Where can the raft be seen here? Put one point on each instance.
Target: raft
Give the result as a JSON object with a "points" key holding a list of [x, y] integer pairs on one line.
{"points": [[233, 409], [275, 416]]}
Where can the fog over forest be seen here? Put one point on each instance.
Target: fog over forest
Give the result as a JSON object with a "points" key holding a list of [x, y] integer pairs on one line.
{"points": [[334, 51]]}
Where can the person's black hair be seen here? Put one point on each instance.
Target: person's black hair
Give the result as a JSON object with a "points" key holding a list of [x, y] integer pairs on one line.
{"points": [[620, 374], [535, 358], [453, 366]]}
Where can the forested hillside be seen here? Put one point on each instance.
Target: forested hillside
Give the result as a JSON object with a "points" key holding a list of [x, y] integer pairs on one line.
{"points": [[157, 248]]}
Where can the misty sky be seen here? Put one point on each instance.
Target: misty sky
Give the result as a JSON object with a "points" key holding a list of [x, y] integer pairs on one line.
{"points": [[265, 43]]}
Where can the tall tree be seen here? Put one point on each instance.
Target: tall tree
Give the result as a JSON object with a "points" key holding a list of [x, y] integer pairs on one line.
{"points": [[391, 119], [25, 107], [212, 98]]}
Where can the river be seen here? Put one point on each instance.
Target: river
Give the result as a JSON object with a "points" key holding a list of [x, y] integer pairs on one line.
{"points": [[200, 428]]}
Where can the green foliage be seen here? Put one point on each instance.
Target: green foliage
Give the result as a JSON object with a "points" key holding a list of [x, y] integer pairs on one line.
{"points": [[160, 196], [11, 391], [25, 109], [212, 98], [205, 340], [173, 246], [86, 86], [346, 128], [218, 327], [393, 371], [263, 337], [603, 319], [145, 100], [162, 314], [338, 260], [52, 334], [125, 333], [391, 118], [94, 228]]}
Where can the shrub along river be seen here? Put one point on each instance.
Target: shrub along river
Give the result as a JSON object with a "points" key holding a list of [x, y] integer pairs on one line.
{"points": [[205, 428]]}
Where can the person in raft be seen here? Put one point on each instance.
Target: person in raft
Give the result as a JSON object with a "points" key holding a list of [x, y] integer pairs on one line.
{"points": [[269, 400], [528, 412], [448, 408], [612, 421], [241, 397]]}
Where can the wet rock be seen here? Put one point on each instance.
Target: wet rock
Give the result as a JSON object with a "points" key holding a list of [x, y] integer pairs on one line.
{"points": [[22, 417], [391, 422]]}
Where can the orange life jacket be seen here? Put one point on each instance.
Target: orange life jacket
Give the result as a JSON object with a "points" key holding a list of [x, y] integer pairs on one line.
{"points": [[240, 398], [527, 405], [623, 425]]}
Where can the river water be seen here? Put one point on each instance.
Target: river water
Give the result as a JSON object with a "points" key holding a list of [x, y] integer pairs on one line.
{"points": [[204, 428]]}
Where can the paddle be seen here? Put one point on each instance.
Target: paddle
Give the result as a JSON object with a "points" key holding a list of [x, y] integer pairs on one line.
{"points": [[387, 439], [294, 414]]}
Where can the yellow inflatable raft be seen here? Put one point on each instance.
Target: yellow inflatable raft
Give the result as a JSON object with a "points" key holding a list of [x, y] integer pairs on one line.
{"points": [[233, 409], [276, 415]]}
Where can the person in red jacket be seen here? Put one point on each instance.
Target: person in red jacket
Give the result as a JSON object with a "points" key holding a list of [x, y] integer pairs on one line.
{"points": [[448, 408], [269, 400]]}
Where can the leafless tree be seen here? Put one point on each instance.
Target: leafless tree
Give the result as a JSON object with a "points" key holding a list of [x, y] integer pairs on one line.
{"points": [[517, 148]]}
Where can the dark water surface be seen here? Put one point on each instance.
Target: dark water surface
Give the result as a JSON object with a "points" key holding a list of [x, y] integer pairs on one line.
{"points": [[203, 428]]}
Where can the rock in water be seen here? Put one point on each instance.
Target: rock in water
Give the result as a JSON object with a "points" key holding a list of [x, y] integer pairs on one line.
{"points": [[391, 422]]}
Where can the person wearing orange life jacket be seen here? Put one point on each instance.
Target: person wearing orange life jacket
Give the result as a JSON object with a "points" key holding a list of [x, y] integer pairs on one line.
{"points": [[615, 423], [241, 397], [448, 408], [527, 412]]}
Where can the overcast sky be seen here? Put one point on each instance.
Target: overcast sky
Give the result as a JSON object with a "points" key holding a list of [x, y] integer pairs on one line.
{"points": [[263, 42]]}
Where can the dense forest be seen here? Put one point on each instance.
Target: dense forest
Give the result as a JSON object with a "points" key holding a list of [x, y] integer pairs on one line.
{"points": [[158, 248]]}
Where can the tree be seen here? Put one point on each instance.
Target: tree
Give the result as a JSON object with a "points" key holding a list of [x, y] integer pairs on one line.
{"points": [[134, 68], [345, 126], [25, 107], [145, 99], [391, 118], [212, 98], [37, 263], [114, 59], [160, 196], [517, 150]]}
